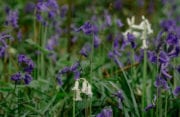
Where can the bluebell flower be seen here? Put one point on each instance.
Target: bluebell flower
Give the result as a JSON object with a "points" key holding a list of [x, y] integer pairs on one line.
{"points": [[75, 66], [63, 10], [12, 19], [168, 25], [163, 57], [152, 57], [150, 106], [29, 7], [106, 112], [172, 39], [59, 80], [131, 39], [119, 23], [76, 74], [161, 83], [120, 97], [87, 28], [27, 78], [85, 50], [108, 19], [28, 63], [16, 77], [64, 70], [176, 91], [97, 41], [52, 42]]}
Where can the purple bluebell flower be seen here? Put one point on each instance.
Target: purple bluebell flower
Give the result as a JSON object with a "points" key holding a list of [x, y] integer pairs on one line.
{"points": [[116, 60], [161, 83], [16, 77], [116, 43], [52, 42], [150, 106], [50, 7], [165, 73], [85, 50], [74, 39], [175, 52], [163, 57], [3, 44], [131, 39], [172, 39], [119, 23], [63, 10], [97, 41], [151, 6], [28, 63], [87, 28], [110, 37], [176, 91], [64, 70], [120, 97], [12, 19], [110, 54], [27, 78], [118, 4], [152, 57], [76, 74], [106, 112], [29, 7], [178, 68], [2, 51], [7, 9], [19, 35], [75, 66], [59, 80], [108, 19], [168, 25]]}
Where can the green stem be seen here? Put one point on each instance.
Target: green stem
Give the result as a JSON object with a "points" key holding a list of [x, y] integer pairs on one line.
{"points": [[43, 42], [144, 82], [91, 71], [166, 103], [74, 106], [132, 94]]}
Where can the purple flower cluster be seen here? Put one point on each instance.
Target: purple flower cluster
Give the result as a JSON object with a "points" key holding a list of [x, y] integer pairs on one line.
{"points": [[12, 19], [73, 69], [52, 42], [50, 7], [3, 44], [120, 97], [89, 28], [28, 67], [176, 91], [106, 112], [86, 49]]}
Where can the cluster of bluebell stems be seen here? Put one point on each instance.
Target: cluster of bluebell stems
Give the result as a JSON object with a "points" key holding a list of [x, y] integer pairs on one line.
{"points": [[166, 50], [75, 69], [28, 65]]}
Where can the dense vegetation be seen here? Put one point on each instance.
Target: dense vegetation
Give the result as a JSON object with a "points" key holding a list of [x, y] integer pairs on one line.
{"points": [[89, 58]]}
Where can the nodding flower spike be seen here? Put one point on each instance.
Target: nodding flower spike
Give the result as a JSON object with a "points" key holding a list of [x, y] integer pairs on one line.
{"points": [[84, 86], [76, 86], [78, 95], [89, 91], [86, 89]]}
